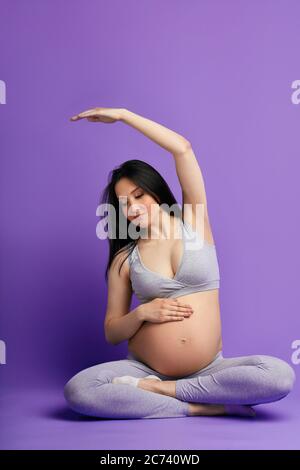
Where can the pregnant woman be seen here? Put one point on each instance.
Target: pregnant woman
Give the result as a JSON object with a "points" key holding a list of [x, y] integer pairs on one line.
{"points": [[175, 366]]}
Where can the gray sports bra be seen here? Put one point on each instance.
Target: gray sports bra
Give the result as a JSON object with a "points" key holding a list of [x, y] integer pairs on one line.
{"points": [[197, 271]]}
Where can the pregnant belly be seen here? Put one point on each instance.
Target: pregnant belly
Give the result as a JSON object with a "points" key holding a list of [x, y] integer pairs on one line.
{"points": [[181, 347]]}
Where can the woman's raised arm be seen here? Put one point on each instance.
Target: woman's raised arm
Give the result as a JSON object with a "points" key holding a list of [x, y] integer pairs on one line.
{"points": [[187, 167], [161, 135]]}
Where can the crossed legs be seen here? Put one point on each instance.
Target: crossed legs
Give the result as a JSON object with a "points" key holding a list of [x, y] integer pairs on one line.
{"points": [[244, 381], [225, 382], [91, 392]]}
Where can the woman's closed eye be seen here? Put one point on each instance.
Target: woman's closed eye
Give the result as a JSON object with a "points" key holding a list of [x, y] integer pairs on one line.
{"points": [[123, 204]]}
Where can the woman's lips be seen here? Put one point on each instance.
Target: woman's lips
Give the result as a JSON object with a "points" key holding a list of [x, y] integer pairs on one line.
{"points": [[138, 216]]}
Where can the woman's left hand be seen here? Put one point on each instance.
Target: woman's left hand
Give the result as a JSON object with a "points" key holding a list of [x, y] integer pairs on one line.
{"points": [[107, 115]]}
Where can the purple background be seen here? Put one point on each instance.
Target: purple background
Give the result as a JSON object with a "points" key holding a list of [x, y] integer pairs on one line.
{"points": [[217, 72]]}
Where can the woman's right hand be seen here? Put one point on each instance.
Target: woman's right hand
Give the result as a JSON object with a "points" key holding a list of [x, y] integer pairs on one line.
{"points": [[162, 310], [107, 115]]}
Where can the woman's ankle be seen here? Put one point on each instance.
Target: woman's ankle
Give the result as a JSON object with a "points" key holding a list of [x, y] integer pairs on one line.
{"points": [[205, 409]]}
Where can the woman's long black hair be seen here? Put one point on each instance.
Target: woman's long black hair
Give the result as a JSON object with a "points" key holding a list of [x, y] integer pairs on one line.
{"points": [[148, 178]]}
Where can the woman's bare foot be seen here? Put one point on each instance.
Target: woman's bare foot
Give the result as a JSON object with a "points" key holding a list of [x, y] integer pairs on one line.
{"points": [[240, 410], [164, 387], [205, 409]]}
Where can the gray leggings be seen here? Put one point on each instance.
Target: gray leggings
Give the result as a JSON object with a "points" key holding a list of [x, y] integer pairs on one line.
{"points": [[240, 380]]}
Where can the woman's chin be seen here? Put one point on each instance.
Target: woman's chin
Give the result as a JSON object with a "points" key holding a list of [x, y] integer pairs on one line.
{"points": [[141, 222]]}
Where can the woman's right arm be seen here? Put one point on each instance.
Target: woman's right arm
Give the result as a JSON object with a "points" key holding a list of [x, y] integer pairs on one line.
{"points": [[120, 329], [119, 324]]}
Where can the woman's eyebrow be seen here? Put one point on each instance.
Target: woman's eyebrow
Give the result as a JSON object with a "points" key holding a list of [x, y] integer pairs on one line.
{"points": [[137, 187], [122, 197]]}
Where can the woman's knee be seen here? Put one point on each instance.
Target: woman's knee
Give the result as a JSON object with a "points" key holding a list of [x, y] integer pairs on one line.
{"points": [[72, 390], [79, 390], [282, 375], [75, 392]]}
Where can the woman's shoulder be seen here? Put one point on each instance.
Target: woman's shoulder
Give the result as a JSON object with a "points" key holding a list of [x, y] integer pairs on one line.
{"points": [[123, 257], [201, 226]]}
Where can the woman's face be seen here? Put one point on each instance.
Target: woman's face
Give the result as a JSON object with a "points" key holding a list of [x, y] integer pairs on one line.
{"points": [[138, 207]]}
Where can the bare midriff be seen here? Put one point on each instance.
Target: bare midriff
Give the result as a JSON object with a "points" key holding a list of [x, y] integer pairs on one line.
{"points": [[182, 347]]}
